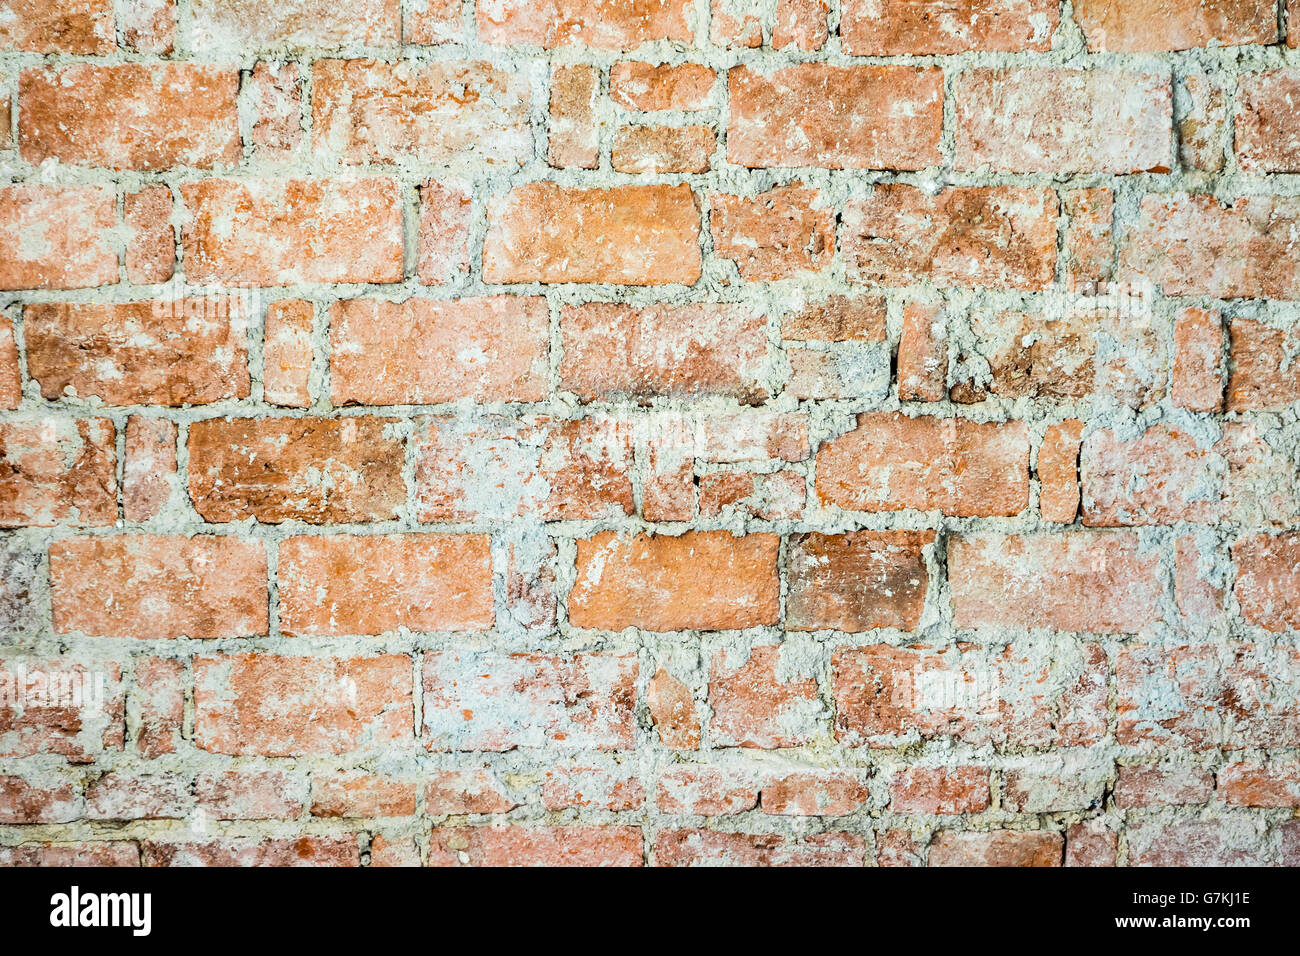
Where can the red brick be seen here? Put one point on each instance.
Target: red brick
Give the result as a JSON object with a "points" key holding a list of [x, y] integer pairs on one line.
{"points": [[1264, 377], [1000, 237], [625, 235], [427, 351], [268, 24], [886, 696], [151, 586], [1164, 476], [663, 149], [1078, 581], [1198, 360], [837, 318], [735, 25], [1088, 250], [160, 684], [318, 470], [829, 793], [1202, 697], [251, 794], [361, 795], [56, 470], [466, 791], [124, 796], [149, 26], [1045, 119], [1267, 132], [940, 790], [708, 791], [997, 848], [1194, 843], [701, 580], [58, 706], [276, 93], [647, 87], [601, 26], [1203, 120], [1268, 580], [1198, 245], [573, 129], [923, 353], [113, 853], [279, 706], [893, 27], [613, 351], [593, 788], [835, 117], [891, 462], [530, 599], [898, 848], [57, 26], [540, 467], [151, 244], [149, 482], [857, 581], [11, 376], [287, 357], [254, 231], [130, 115], [1162, 785], [750, 435], [1058, 471], [56, 237], [187, 352], [254, 851], [717, 848], [1274, 784], [1138, 25], [1198, 585], [774, 497], [443, 244], [371, 584], [536, 846], [394, 851], [800, 24], [482, 700], [26, 801], [778, 234], [766, 700], [437, 21], [672, 709], [1091, 844]]}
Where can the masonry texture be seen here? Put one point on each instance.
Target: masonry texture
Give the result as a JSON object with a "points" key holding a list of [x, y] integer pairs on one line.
{"points": [[441, 432]]}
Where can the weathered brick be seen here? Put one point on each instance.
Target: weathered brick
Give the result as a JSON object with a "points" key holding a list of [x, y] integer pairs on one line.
{"points": [[1267, 134], [1194, 843], [836, 117], [370, 584], [704, 580], [287, 353], [647, 87], [57, 470], [923, 353], [625, 235], [940, 790], [1138, 25], [267, 24], [254, 851], [774, 497], [427, 351], [830, 793], [573, 131], [1058, 471], [707, 791], [596, 788], [110, 853], [613, 351], [361, 795], [443, 243], [892, 27], [837, 318], [160, 688], [719, 848], [318, 470], [60, 706], [56, 237], [22, 609], [857, 581], [280, 706], [11, 375], [251, 794], [536, 846], [1163, 476], [188, 352], [1198, 360], [672, 709], [663, 149], [253, 231], [1264, 377], [1000, 237], [150, 796], [484, 700], [435, 22], [467, 791], [1203, 113], [766, 700], [891, 462], [149, 481], [1088, 252], [276, 93], [1162, 785], [1274, 784], [1268, 580], [153, 586], [26, 801], [130, 115], [1063, 784], [997, 848], [149, 26], [151, 244], [57, 26], [778, 234]]}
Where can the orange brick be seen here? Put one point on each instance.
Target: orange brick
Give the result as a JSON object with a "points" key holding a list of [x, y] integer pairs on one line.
{"points": [[187, 352], [57, 26], [940, 790], [1203, 120], [265, 24], [647, 87], [56, 237], [672, 709], [287, 352], [276, 93], [279, 706], [1058, 471], [1088, 252], [1273, 785], [536, 846], [11, 376], [763, 701], [857, 581], [663, 149], [466, 791], [361, 795], [1267, 132], [837, 318], [254, 851], [778, 234], [836, 117], [1164, 476], [893, 27], [719, 848], [349, 584], [1138, 25], [126, 796], [595, 788], [997, 848], [626, 235], [44, 708], [154, 587], [705, 580], [151, 246], [427, 351], [160, 687], [56, 470], [829, 793], [702, 790], [253, 231], [955, 466], [149, 26], [130, 115], [574, 131], [923, 353], [149, 481], [591, 23], [1198, 360], [1263, 377], [319, 470], [443, 245], [437, 21]]}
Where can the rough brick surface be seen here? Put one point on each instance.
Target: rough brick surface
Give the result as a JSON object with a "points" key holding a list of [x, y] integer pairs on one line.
{"points": [[649, 432]]}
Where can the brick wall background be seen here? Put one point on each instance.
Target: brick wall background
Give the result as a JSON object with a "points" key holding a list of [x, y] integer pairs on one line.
{"points": [[650, 431]]}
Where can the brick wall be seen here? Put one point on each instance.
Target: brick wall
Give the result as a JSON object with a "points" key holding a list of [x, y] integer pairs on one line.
{"points": [[768, 432]]}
